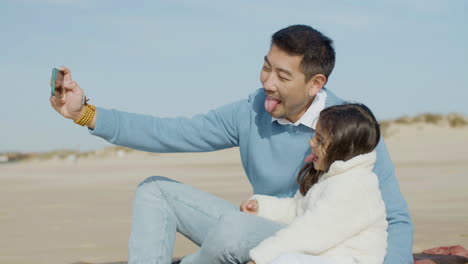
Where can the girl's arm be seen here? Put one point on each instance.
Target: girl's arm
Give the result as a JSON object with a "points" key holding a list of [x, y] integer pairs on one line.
{"points": [[281, 210]]}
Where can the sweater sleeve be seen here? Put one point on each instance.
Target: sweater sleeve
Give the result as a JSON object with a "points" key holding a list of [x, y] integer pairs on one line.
{"points": [[400, 227], [281, 210], [215, 130], [315, 231]]}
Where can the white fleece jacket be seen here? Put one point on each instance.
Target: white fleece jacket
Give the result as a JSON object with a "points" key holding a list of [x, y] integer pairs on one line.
{"points": [[342, 216]]}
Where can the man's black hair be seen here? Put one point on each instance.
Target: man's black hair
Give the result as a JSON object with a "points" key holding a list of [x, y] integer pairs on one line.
{"points": [[317, 49]]}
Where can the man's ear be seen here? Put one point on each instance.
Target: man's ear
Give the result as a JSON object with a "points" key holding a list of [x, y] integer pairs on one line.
{"points": [[315, 84]]}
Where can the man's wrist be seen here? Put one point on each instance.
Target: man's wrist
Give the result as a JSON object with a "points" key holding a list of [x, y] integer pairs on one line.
{"points": [[92, 124], [79, 114], [87, 116]]}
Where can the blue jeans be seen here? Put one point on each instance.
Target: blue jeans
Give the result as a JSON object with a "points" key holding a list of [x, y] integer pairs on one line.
{"points": [[163, 207]]}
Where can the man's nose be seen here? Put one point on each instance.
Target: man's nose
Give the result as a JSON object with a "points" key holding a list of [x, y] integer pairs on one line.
{"points": [[269, 83]]}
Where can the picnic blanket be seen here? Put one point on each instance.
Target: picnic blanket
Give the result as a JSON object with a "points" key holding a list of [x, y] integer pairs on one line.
{"points": [[442, 255], [438, 255]]}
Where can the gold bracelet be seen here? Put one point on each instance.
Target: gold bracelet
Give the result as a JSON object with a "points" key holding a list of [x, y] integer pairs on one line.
{"points": [[87, 116]]}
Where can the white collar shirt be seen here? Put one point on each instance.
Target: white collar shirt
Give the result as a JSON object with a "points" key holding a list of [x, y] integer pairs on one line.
{"points": [[310, 117]]}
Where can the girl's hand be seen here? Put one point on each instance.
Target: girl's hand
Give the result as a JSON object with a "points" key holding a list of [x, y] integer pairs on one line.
{"points": [[250, 207], [70, 105], [251, 262]]}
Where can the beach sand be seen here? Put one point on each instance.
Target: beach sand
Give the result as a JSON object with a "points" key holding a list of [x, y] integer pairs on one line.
{"points": [[65, 211]]}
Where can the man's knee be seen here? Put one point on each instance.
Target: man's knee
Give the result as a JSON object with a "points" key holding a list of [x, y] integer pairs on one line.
{"points": [[156, 180], [152, 187]]}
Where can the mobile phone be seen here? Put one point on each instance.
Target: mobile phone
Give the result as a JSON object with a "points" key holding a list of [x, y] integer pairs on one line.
{"points": [[56, 83]]}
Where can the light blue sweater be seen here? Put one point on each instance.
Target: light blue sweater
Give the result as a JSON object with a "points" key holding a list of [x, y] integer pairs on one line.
{"points": [[272, 154]]}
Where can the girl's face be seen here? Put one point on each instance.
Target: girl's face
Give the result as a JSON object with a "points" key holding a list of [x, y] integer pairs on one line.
{"points": [[318, 145]]}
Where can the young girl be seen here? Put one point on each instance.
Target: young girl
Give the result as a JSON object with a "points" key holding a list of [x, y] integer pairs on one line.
{"points": [[338, 215]]}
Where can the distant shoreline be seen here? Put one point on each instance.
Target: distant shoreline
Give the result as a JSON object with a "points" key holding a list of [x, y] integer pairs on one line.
{"points": [[452, 120]]}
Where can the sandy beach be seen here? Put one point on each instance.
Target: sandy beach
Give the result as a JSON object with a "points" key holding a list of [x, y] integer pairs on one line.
{"points": [[68, 211]]}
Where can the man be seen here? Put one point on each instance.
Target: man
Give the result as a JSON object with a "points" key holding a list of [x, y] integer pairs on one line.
{"points": [[271, 129]]}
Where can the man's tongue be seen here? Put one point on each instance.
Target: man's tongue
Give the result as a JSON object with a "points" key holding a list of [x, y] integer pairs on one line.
{"points": [[271, 103], [311, 158]]}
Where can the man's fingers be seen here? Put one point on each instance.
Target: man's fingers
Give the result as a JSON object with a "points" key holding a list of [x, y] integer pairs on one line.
{"points": [[71, 86], [52, 101], [66, 74], [64, 69]]}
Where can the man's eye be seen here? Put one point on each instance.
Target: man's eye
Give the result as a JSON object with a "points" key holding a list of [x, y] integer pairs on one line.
{"points": [[283, 79]]}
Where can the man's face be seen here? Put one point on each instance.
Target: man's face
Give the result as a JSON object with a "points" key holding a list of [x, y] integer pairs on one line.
{"points": [[288, 95]]}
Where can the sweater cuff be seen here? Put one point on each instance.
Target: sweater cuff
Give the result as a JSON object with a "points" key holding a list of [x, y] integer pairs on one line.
{"points": [[106, 124]]}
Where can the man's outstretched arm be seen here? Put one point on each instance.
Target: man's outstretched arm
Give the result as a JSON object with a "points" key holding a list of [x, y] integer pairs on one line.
{"points": [[215, 130], [218, 129]]}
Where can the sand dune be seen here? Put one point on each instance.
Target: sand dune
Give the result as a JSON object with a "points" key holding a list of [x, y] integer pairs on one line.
{"points": [[66, 211], [432, 166]]}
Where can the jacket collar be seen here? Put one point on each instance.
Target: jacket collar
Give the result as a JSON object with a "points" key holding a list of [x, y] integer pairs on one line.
{"points": [[361, 161]]}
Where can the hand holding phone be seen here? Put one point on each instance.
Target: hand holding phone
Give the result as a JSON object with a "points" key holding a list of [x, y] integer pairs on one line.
{"points": [[66, 95]]}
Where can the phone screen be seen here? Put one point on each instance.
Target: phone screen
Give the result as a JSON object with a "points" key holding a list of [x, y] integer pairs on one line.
{"points": [[56, 83]]}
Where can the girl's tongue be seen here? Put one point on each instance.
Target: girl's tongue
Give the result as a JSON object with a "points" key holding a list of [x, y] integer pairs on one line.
{"points": [[271, 103], [311, 158]]}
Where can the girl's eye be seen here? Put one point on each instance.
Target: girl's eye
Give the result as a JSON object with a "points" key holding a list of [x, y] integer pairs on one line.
{"points": [[265, 68]]}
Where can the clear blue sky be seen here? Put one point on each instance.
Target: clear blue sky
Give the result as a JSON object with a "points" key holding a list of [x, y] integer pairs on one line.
{"points": [[173, 58]]}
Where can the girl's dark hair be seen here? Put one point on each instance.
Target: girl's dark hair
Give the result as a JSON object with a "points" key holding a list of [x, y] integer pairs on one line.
{"points": [[352, 130]]}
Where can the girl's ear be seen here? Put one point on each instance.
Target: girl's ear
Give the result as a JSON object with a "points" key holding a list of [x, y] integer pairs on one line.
{"points": [[315, 84]]}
